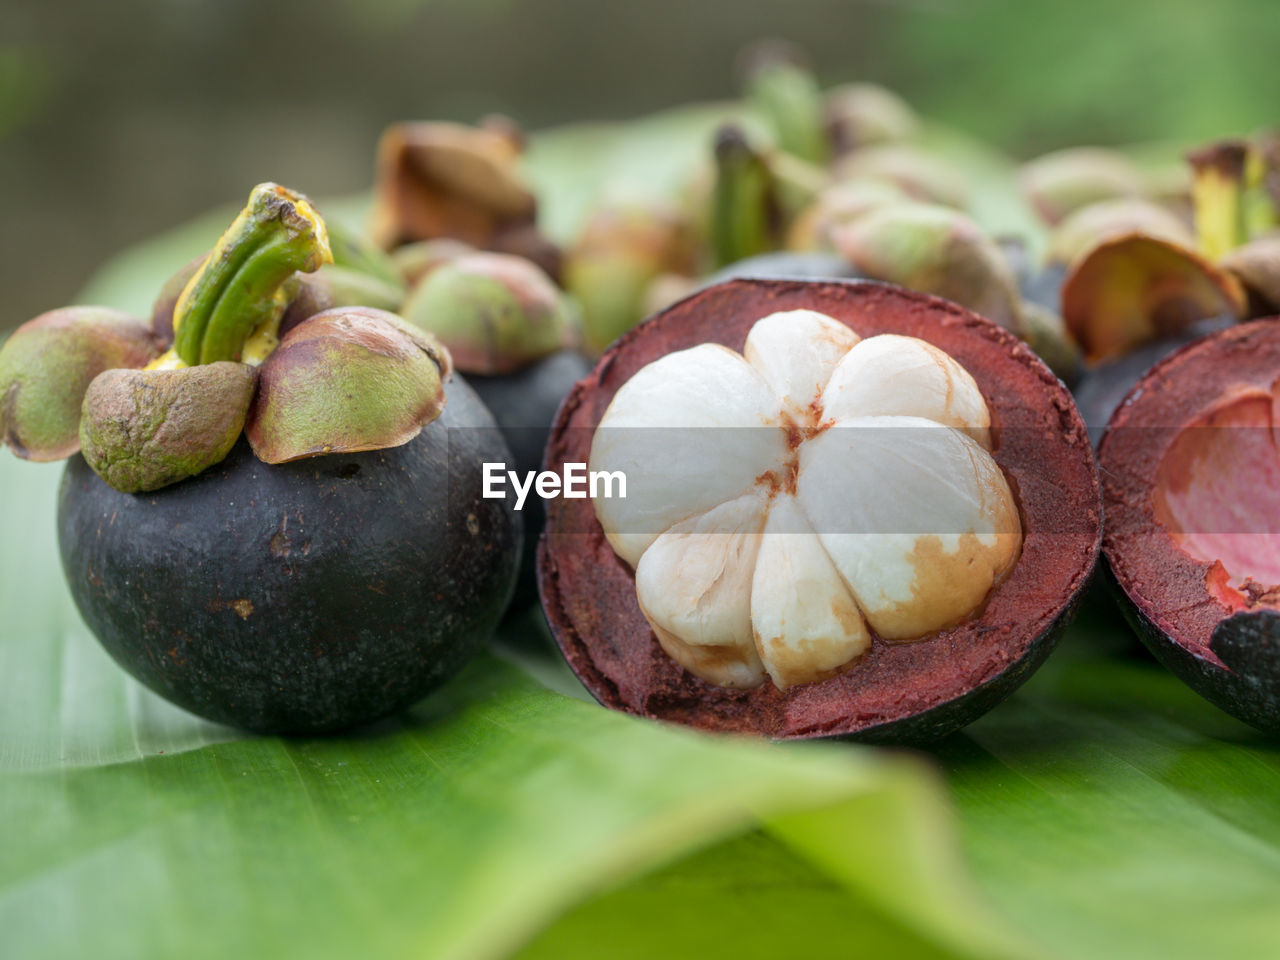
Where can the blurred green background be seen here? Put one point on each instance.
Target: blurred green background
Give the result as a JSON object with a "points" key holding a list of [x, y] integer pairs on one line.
{"points": [[121, 118]]}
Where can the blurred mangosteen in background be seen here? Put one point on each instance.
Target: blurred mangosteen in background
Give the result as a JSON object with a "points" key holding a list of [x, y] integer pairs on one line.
{"points": [[514, 335], [1139, 282]]}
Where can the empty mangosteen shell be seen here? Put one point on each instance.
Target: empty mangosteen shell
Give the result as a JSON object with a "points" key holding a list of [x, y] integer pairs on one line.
{"points": [[910, 692], [1230, 656], [303, 597]]}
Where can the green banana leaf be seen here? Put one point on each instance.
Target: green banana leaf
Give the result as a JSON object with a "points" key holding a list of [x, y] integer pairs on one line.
{"points": [[1105, 811], [460, 830]]}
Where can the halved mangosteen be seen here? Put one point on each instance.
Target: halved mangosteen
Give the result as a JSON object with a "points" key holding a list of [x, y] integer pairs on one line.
{"points": [[1191, 483], [851, 510]]}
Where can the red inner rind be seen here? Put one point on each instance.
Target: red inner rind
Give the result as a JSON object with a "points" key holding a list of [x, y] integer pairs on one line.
{"points": [[1184, 596], [589, 593]]}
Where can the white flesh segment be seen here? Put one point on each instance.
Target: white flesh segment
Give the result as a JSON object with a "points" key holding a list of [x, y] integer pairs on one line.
{"points": [[807, 625], [690, 431], [918, 519], [890, 375], [796, 351], [694, 588]]}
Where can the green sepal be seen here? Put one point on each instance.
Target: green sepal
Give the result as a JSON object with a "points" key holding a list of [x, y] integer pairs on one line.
{"points": [[788, 96]]}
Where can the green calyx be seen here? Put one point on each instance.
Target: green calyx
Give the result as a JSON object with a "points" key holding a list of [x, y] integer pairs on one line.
{"points": [[495, 313], [239, 287], [357, 253], [390, 375], [790, 99], [624, 247], [415, 260], [47, 365], [349, 287], [1059, 183], [145, 429], [933, 249]]}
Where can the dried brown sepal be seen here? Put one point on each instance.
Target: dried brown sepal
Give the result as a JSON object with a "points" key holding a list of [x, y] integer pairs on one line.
{"points": [[1257, 266], [1134, 288], [447, 180]]}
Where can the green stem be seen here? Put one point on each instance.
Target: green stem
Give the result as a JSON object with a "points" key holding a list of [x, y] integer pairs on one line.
{"points": [[239, 286], [744, 215], [1262, 186], [1217, 193]]}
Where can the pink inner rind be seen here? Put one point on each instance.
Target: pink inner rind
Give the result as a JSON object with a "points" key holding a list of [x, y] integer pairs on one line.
{"points": [[1218, 490]]}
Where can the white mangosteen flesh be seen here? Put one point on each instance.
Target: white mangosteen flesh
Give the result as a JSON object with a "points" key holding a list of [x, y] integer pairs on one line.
{"points": [[788, 506]]}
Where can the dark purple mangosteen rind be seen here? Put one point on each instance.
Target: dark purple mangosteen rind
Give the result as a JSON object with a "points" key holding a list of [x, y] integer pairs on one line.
{"points": [[897, 692], [303, 597], [1101, 389], [1255, 700], [1037, 283], [786, 265], [941, 721]]}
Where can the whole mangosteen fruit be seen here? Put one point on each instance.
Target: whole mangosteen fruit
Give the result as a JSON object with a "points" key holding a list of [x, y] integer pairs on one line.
{"points": [[849, 510], [284, 531], [305, 596], [1191, 484], [1139, 283]]}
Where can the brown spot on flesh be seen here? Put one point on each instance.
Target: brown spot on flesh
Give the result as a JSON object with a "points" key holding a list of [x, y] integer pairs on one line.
{"points": [[847, 615], [937, 574], [705, 662]]}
